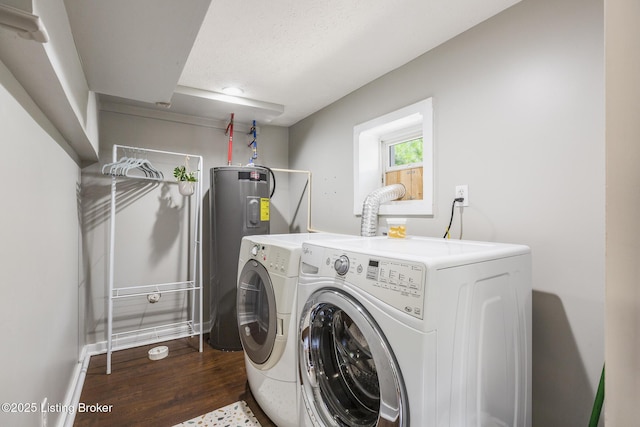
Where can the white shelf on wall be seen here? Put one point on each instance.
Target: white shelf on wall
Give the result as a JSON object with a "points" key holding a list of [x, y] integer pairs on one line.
{"points": [[123, 168]]}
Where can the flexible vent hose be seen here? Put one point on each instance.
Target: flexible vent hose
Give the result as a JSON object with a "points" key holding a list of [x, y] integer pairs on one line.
{"points": [[371, 206]]}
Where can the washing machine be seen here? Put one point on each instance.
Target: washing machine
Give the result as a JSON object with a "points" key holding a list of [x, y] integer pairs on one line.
{"points": [[414, 332], [266, 294]]}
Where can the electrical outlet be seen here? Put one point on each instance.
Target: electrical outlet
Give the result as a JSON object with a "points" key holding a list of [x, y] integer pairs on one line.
{"points": [[462, 191]]}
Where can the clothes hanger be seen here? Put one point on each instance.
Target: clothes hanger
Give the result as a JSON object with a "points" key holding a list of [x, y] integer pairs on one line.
{"points": [[112, 165], [129, 162]]}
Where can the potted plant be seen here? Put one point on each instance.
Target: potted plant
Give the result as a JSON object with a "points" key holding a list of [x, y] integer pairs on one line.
{"points": [[186, 180]]}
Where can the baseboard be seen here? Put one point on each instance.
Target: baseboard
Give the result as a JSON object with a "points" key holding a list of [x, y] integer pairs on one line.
{"points": [[72, 397]]}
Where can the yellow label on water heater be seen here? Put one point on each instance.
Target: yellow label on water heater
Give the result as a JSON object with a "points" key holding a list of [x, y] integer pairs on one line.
{"points": [[264, 209]]}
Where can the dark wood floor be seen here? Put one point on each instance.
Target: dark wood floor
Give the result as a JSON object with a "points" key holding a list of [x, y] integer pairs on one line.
{"points": [[165, 392]]}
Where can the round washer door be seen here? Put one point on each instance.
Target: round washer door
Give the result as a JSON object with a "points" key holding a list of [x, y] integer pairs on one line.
{"points": [[349, 373], [256, 312]]}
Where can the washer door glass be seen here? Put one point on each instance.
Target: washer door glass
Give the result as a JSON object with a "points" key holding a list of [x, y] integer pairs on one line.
{"points": [[256, 312], [350, 376]]}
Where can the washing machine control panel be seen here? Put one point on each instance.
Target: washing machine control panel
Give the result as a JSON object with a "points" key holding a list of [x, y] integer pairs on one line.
{"points": [[396, 282]]}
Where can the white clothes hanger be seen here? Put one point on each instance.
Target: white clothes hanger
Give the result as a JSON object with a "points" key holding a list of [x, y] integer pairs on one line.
{"points": [[127, 163]]}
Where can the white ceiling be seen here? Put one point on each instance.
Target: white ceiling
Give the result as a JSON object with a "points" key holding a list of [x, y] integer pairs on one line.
{"points": [[291, 57]]}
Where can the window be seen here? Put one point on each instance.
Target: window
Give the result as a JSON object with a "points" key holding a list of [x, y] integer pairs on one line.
{"points": [[402, 162], [396, 148], [404, 154]]}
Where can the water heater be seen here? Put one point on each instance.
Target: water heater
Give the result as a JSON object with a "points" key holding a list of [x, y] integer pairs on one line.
{"points": [[239, 198]]}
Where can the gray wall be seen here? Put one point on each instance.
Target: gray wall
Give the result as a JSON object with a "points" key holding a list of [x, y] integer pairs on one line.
{"points": [[519, 117], [39, 258], [152, 223], [623, 210]]}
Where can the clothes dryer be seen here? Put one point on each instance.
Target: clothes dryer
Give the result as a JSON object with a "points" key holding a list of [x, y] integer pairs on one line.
{"points": [[414, 332], [268, 268]]}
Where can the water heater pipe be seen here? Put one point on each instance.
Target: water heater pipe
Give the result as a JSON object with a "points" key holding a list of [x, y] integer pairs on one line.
{"points": [[371, 206], [230, 132], [253, 144], [310, 228]]}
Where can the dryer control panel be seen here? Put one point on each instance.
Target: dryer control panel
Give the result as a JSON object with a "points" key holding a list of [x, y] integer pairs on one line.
{"points": [[275, 259], [396, 282]]}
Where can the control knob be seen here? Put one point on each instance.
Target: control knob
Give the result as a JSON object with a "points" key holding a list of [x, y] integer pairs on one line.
{"points": [[255, 249], [341, 265]]}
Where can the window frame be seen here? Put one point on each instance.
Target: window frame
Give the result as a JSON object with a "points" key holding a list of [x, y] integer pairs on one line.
{"points": [[369, 157], [396, 139]]}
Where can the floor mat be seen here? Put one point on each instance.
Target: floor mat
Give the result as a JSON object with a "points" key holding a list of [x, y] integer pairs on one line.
{"points": [[235, 415]]}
